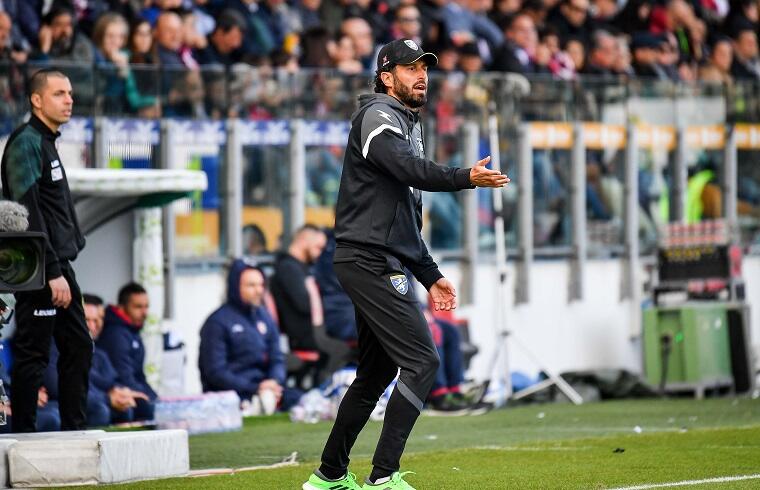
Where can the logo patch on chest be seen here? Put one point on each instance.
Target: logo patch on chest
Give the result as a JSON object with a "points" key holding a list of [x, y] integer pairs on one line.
{"points": [[237, 328], [400, 283], [262, 327]]}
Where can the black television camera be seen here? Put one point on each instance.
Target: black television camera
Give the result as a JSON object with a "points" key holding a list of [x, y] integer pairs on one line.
{"points": [[22, 265]]}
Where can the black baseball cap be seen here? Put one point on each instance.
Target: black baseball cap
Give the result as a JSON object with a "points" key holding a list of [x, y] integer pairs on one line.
{"points": [[402, 52]]}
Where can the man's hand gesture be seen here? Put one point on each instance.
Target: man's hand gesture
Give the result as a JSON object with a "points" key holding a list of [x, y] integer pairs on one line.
{"points": [[444, 295], [481, 176]]}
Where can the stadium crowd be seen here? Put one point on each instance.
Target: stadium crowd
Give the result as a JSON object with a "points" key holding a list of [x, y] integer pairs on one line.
{"points": [[678, 40]]}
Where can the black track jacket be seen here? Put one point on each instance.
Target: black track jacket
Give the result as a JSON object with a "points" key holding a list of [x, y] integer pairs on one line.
{"points": [[379, 203], [32, 174]]}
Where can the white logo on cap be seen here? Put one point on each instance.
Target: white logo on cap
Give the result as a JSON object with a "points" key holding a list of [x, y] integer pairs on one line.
{"points": [[411, 44]]}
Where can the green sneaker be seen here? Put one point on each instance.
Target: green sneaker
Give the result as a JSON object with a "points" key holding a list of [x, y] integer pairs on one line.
{"points": [[395, 483], [348, 482]]}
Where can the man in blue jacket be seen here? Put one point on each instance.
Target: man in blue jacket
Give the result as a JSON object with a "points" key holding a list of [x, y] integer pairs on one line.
{"points": [[121, 340], [240, 342], [107, 400]]}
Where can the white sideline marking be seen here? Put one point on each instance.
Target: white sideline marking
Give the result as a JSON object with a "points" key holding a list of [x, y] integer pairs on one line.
{"points": [[722, 479]]}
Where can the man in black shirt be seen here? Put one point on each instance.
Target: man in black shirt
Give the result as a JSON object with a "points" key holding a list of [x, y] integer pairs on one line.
{"points": [[378, 219], [294, 288], [33, 175]]}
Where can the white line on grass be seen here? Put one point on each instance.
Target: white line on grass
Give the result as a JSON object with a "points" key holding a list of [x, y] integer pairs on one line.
{"points": [[722, 479]]}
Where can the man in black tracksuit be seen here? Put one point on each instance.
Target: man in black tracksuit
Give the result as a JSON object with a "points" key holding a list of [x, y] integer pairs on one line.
{"points": [[377, 228], [32, 174]]}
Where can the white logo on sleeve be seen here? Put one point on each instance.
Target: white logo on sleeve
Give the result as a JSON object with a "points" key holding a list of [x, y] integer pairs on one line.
{"points": [[262, 327], [384, 115], [55, 163], [56, 174], [412, 44], [135, 344], [237, 328]]}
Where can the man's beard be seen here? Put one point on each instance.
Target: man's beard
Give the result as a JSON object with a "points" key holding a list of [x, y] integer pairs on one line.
{"points": [[407, 96]]}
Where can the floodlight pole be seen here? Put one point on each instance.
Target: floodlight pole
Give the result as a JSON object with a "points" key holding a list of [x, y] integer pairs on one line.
{"points": [[502, 333]]}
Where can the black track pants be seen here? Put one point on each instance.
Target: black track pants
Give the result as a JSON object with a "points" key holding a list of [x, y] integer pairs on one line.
{"points": [[393, 335], [37, 321]]}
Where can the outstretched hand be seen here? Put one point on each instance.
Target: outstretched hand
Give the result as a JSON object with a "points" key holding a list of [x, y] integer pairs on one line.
{"points": [[481, 176], [444, 295]]}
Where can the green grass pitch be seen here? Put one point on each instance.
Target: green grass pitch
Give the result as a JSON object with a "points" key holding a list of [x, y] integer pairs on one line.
{"points": [[557, 446]]}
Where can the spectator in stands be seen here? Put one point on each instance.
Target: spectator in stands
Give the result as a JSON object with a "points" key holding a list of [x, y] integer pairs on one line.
{"points": [[743, 13], [463, 25], [604, 13], [745, 65], [359, 31], [343, 56], [307, 12], [225, 40], [644, 46], [27, 16], [718, 68], [518, 52], [406, 23], [633, 16], [168, 40], [141, 43], [577, 51], [121, 340], [121, 92], [153, 9], [623, 58], [318, 49], [571, 19], [10, 50], [240, 343], [272, 22], [601, 59], [294, 289], [11, 76], [107, 401], [59, 40], [503, 10], [192, 40], [469, 58], [668, 56]]}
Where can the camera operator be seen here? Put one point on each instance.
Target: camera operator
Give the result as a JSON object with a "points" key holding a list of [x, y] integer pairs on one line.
{"points": [[32, 175]]}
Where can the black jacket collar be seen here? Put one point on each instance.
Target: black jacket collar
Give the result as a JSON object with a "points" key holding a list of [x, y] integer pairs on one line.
{"points": [[40, 126]]}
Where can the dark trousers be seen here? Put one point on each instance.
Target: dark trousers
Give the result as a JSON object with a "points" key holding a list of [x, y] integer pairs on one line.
{"points": [[393, 335], [37, 321], [451, 372]]}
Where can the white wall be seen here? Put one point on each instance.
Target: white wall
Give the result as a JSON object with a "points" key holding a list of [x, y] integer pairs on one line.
{"points": [[105, 264], [196, 296], [593, 333]]}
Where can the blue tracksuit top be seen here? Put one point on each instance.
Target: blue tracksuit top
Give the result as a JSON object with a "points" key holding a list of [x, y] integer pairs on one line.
{"points": [[240, 344], [122, 342]]}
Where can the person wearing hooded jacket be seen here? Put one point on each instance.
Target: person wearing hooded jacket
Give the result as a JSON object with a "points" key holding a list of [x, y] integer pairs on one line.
{"points": [[378, 220], [240, 342], [121, 340]]}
